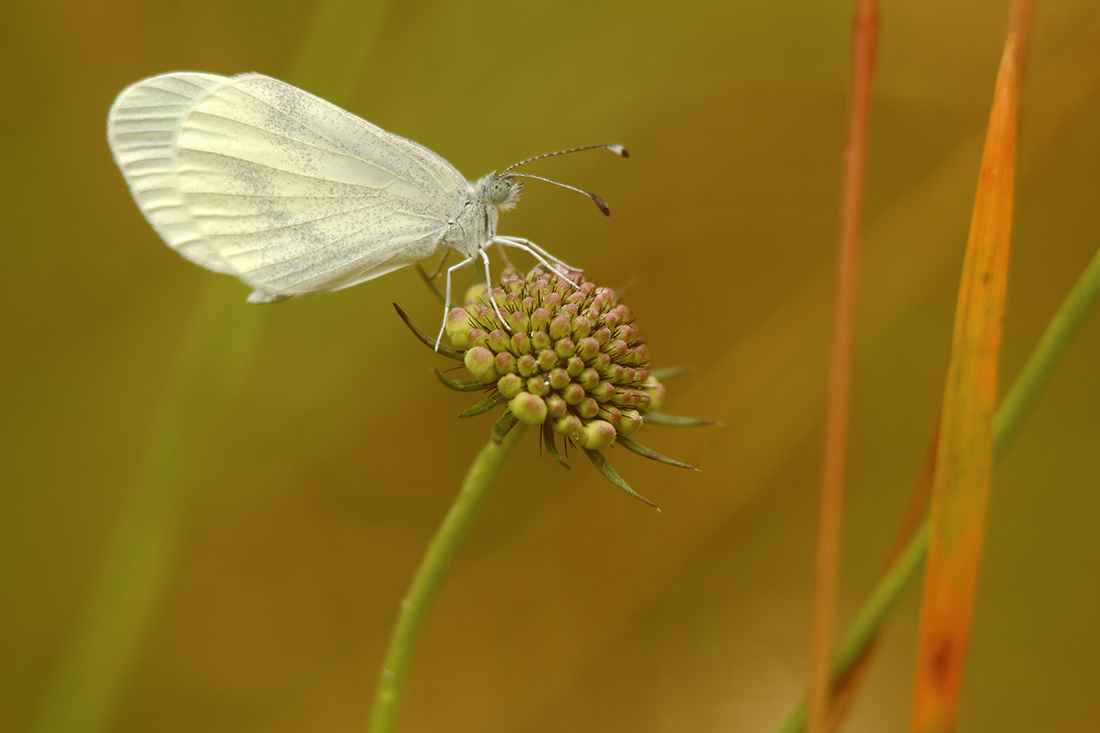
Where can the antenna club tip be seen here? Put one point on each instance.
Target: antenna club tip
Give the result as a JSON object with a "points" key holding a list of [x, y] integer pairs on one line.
{"points": [[603, 207], [618, 150]]}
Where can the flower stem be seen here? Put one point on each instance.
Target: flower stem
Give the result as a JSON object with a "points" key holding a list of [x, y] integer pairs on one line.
{"points": [[429, 577]]}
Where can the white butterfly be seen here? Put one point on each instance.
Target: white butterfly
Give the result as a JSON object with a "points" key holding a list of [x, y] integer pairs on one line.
{"points": [[253, 177]]}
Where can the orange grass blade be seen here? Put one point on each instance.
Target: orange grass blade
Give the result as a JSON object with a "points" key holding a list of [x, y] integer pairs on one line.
{"points": [[864, 37], [1019, 23], [965, 454]]}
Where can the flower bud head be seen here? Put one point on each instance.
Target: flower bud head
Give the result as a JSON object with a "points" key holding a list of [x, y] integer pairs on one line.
{"points": [[566, 355]]}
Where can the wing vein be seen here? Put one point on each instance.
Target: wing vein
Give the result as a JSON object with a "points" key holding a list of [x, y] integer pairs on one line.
{"points": [[285, 171]]}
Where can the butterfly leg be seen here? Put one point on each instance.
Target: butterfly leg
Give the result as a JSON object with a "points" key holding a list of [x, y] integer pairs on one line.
{"points": [[492, 298], [429, 280], [544, 258], [507, 263], [442, 262], [447, 299]]}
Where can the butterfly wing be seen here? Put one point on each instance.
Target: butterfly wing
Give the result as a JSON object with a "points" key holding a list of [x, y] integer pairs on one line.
{"points": [[254, 177], [143, 127]]}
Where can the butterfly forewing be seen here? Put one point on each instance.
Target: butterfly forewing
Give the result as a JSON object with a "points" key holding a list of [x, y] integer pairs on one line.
{"points": [[293, 194], [143, 127]]}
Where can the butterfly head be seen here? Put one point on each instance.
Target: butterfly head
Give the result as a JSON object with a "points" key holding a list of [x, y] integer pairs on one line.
{"points": [[501, 191]]}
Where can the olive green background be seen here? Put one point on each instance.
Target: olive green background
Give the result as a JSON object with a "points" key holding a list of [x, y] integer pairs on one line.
{"points": [[303, 452]]}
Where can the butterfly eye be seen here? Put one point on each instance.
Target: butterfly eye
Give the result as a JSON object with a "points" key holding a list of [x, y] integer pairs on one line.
{"points": [[499, 190]]}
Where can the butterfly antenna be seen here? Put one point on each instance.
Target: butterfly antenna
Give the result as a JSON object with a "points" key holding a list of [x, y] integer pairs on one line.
{"points": [[599, 201], [614, 148]]}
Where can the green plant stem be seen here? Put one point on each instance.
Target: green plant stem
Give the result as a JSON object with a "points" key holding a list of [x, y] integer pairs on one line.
{"points": [[96, 668], [430, 575], [1046, 356], [871, 618], [1011, 414]]}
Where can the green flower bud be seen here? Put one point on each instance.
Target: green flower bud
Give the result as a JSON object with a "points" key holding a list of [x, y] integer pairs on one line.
{"points": [[510, 385], [499, 340], [560, 328], [568, 425], [573, 393], [477, 292], [588, 378], [597, 434], [612, 414], [526, 365], [603, 392], [521, 343], [559, 379], [547, 360], [458, 327], [588, 408], [656, 394], [556, 406], [529, 408], [478, 337], [505, 363], [587, 348], [519, 322], [479, 361], [581, 327], [630, 422], [617, 350]]}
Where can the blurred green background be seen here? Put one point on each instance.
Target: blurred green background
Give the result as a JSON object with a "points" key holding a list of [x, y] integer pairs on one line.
{"points": [[297, 457]]}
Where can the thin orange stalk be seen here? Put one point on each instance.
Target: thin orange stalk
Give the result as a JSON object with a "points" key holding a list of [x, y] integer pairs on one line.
{"points": [[864, 39]]}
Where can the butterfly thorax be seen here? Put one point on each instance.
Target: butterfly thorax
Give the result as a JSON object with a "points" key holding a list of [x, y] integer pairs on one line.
{"points": [[476, 224]]}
